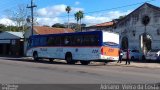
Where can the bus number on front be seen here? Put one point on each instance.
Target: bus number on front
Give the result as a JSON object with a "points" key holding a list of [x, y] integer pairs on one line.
{"points": [[110, 50]]}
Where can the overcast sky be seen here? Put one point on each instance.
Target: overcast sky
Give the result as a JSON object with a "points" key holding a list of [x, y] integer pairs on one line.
{"points": [[95, 11]]}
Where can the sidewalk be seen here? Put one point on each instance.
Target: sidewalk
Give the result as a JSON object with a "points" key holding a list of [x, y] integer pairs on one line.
{"points": [[136, 64]]}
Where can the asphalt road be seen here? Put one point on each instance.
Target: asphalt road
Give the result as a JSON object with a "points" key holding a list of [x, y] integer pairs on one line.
{"points": [[23, 71]]}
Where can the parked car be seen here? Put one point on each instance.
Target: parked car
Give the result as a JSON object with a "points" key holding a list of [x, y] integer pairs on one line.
{"points": [[133, 54], [153, 54]]}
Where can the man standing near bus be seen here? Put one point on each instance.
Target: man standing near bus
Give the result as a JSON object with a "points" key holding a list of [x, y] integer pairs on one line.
{"points": [[127, 55], [120, 55]]}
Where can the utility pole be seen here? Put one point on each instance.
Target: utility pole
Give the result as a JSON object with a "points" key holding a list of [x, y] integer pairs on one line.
{"points": [[31, 7]]}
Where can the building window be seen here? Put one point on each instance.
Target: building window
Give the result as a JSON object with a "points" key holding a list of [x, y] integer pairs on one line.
{"points": [[135, 19], [156, 17]]}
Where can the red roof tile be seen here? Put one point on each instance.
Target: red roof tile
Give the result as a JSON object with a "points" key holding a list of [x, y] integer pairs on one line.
{"points": [[50, 30], [104, 24]]}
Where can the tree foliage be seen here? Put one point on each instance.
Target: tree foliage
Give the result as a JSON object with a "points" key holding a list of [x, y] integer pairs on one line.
{"points": [[68, 9], [79, 16], [121, 17], [18, 16], [58, 25], [9, 28]]}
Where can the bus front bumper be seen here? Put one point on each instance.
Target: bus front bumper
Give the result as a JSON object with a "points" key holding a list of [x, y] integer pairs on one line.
{"points": [[103, 57]]}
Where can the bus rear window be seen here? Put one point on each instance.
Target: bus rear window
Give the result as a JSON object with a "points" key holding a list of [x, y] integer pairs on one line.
{"points": [[110, 44]]}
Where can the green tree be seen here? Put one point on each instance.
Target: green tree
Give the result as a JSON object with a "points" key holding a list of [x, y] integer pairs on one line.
{"points": [[58, 25], [81, 16], [78, 16], [121, 17], [18, 16], [68, 9], [2, 27]]}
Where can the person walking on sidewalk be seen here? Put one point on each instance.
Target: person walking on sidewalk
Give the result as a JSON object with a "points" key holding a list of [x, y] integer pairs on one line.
{"points": [[120, 56], [127, 55]]}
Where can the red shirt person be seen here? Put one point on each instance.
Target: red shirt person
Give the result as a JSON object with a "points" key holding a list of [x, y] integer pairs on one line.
{"points": [[128, 59]]}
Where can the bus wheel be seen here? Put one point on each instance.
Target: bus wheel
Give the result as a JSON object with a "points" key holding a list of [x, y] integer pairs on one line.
{"points": [[85, 62], [51, 60], [69, 58], [35, 56], [143, 58], [132, 58]]}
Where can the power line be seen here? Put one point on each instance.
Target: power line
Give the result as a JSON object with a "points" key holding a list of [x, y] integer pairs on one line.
{"points": [[120, 6], [111, 8], [63, 17]]}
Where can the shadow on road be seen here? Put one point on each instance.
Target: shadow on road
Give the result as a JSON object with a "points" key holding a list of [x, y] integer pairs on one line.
{"points": [[22, 59], [46, 61], [62, 62]]}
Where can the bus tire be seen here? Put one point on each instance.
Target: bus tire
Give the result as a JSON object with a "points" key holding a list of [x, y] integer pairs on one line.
{"points": [[132, 58], [143, 58], [51, 60], [68, 58], [85, 62], [35, 56]]}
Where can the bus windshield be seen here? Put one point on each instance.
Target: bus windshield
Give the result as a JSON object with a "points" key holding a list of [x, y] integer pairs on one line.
{"points": [[109, 44]]}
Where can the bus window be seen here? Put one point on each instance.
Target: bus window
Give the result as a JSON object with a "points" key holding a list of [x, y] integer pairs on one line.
{"points": [[50, 41], [95, 40], [57, 41], [30, 43], [43, 41], [78, 40], [90, 40], [85, 40], [68, 40], [36, 42], [111, 44]]}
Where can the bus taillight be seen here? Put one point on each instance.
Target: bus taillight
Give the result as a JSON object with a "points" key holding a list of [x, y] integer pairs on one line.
{"points": [[102, 50]]}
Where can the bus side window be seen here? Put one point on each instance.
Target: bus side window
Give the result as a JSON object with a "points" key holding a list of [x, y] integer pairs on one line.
{"points": [[43, 41], [62, 41], [37, 41], [34, 41], [50, 41], [90, 40], [85, 40], [29, 44], [78, 40], [95, 40], [68, 40], [57, 41]]}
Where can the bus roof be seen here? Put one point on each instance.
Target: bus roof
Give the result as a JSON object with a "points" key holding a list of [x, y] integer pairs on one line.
{"points": [[75, 33]]}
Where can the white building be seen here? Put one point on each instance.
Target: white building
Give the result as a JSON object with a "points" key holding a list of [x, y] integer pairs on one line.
{"points": [[140, 29]]}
